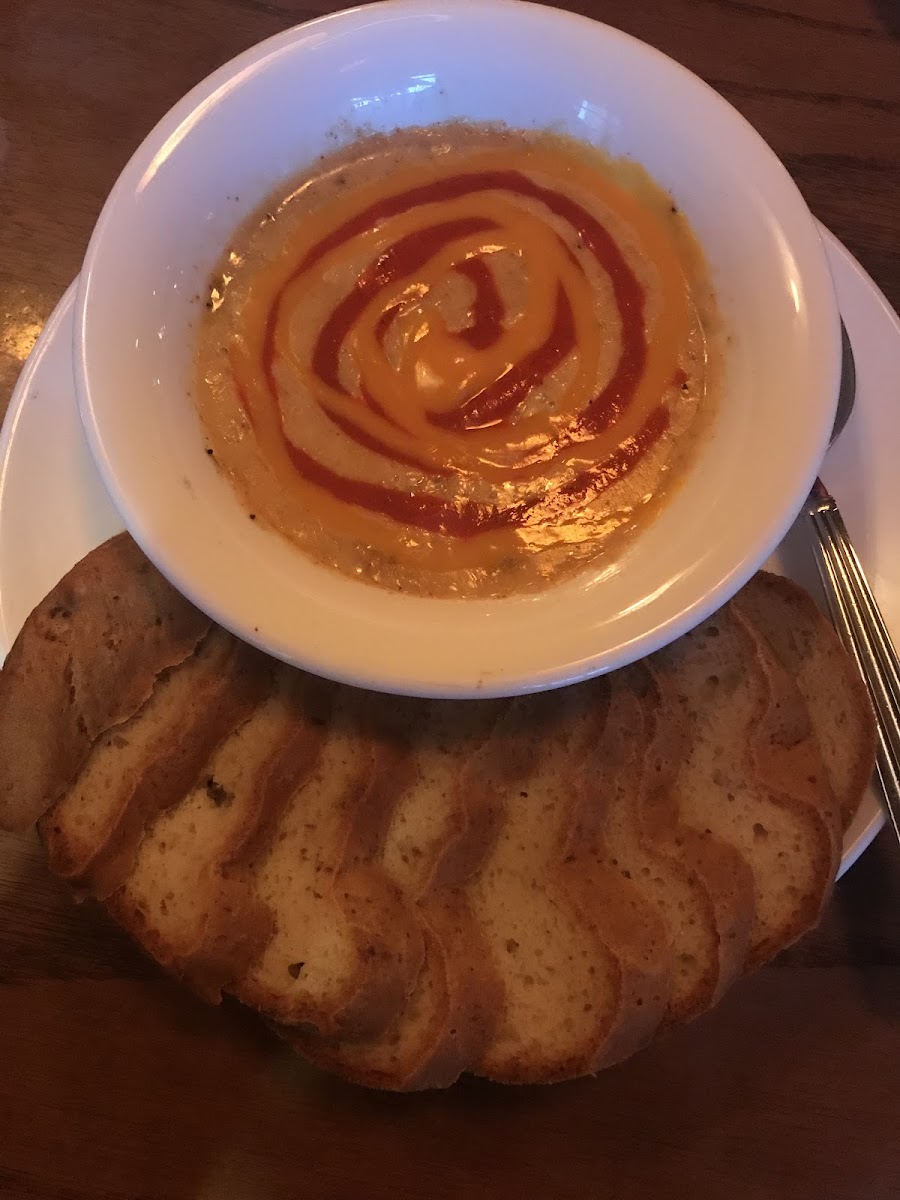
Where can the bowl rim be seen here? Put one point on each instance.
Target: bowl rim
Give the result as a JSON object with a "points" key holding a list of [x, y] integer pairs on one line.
{"points": [[175, 125]]}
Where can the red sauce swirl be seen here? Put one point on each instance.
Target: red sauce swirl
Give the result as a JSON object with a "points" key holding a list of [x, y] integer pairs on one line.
{"points": [[493, 404]]}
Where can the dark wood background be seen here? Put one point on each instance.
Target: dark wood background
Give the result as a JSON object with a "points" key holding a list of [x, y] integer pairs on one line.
{"points": [[113, 1081]]}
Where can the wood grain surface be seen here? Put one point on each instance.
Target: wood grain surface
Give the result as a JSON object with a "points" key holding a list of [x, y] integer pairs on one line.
{"points": [[114, 1083]]}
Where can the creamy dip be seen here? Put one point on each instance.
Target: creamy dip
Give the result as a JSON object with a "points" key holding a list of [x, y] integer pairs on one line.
{"points": [[461, 360]]}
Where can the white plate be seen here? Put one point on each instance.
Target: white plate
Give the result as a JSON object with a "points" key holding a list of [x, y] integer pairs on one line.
{"points": [[53, 509]]}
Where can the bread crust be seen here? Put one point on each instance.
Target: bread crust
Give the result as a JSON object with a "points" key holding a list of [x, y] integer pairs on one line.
{"points": [[810, 651], [86, 660]]}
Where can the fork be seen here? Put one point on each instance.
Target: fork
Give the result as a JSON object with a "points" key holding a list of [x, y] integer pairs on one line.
{"points": [[853, 607]]}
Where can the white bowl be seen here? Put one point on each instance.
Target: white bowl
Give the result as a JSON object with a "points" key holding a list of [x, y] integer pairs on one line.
{"points": [[261, 118]]}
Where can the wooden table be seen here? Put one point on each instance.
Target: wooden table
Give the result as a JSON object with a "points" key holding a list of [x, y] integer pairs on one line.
{"points": [[113, 1081]]}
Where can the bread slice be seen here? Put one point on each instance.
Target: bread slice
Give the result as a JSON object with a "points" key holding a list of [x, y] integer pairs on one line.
{"points": [[345, 950], [85, 660], [700, 886], [202, 895], [445, 1023], [441, 831], [178, 899], [808, 648], [559, 934], [149, 762], [606, 894], [752, 777]]}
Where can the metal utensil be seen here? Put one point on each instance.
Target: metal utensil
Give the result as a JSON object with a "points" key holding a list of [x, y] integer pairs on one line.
{"points": [[854, 609]]}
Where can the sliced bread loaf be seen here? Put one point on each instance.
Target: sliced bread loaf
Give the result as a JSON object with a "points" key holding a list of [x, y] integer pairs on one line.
{"points": [[407, 890]]}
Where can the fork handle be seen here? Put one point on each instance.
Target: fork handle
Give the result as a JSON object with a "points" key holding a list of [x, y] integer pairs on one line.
{"points": [[859, 622]]}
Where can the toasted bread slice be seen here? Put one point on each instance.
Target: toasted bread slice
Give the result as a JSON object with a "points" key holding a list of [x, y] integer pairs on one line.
{"points": [[440, 832], [808, 648], [86, 660], [752, 777], [345, 951], [147, 763], [573, 983], [177, 899], [446, 1022], [700, 886], [607, 895]]}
